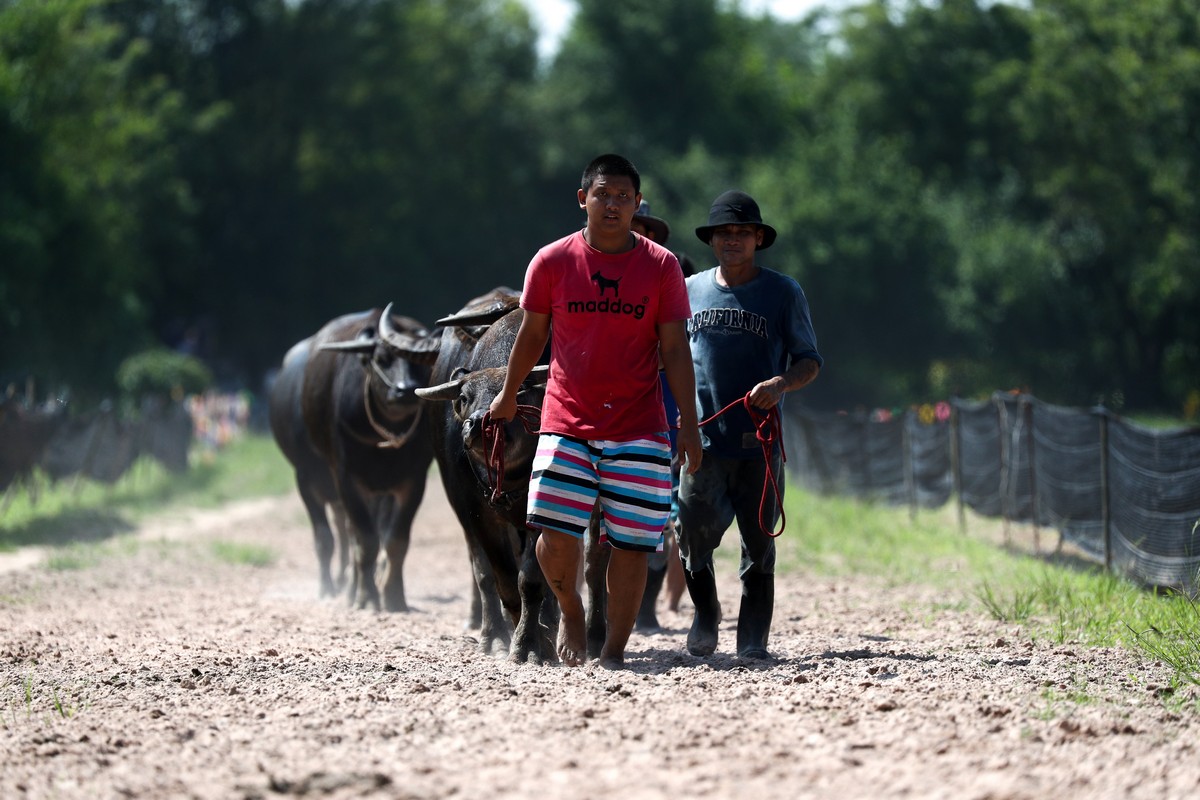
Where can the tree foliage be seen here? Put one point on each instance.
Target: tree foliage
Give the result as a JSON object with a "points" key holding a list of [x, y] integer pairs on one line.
{"points": [[975, 195], [87, 158], [163, 373]]}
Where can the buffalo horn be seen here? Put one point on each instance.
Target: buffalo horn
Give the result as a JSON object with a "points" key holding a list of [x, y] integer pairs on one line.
{"points": [[482, 315], [449, 389], [443, 391], [351, 346], [538, 375], [420, 349]]}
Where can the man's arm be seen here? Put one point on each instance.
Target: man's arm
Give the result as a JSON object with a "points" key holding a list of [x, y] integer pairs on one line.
{"points": [[676, 356], [768, 393], [527, 349]]}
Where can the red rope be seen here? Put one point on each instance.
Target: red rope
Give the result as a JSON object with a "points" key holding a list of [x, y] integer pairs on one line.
{"points": [[768, 431], [530, 418]]}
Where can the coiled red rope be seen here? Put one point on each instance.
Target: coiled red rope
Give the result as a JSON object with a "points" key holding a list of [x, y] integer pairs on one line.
{"points": [[768, 431], [494, 439]]}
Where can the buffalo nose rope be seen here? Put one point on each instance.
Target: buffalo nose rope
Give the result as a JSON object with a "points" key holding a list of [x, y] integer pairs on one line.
{"points": [[530, 418]]}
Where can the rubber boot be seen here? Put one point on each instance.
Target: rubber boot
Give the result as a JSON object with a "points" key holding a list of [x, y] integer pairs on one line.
{"points": [[702, 586], [647, 620], [754, 616]]}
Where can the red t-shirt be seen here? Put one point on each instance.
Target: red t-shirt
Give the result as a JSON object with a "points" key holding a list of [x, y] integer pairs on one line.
{"points": [[604, 315]]}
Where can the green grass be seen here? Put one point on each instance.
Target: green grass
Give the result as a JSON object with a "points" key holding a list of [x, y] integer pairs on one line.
{"points": [[86, 511], [1174, 638], [1053, 598], [841, 536], [250, 555], [85, 555], [35, 699]]}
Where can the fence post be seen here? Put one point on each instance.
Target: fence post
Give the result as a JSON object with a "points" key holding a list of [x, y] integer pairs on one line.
{"points": [[956, 465], [910, 480], [864, 454], [1027, 410], [1105, 514], [1001, 426]]}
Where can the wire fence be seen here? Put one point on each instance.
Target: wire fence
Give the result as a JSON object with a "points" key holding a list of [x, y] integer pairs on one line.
{"points": [[49, 444], [1124, 495]]}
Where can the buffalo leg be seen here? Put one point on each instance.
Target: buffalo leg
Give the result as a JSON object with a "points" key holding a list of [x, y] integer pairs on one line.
{"points": [[322, 535], [407, 502], [495, 633], [366, 541], [647, 618], [533, 643], [475, 615], [595, 571], [341, 526]]}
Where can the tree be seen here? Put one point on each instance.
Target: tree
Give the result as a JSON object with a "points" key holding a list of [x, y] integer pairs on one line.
{"points": [[1110, 117], [86, 155]]}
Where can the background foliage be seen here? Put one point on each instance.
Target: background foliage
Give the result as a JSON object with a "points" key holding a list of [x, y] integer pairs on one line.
{"points": [[975, 195]]}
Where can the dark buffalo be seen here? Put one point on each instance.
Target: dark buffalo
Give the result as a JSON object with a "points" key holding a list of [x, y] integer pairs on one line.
{"points": [[488, 490], [314, 478], [361, 419]]}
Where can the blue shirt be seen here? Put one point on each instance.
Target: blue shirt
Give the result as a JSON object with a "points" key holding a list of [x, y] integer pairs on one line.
{"points": [[741, 336]]}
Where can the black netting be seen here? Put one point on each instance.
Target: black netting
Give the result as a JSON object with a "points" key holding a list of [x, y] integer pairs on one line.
{"points": [[102, 446], [1119, 492], [1067, 466], [72, 448], [165, 434], [1154, 503], [929, 455], [824, 452], [979, 457], [112, 450]]}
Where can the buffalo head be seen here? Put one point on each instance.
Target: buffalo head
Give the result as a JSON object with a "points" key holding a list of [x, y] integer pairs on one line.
{"points": [[396, 358], [470, 394]]}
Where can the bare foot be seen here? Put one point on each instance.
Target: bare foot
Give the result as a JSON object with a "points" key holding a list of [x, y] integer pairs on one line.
{"points": [[572, 638]]}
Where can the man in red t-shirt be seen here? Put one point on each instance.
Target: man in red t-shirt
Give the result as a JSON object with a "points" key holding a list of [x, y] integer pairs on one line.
{"points": [[615, 301]]}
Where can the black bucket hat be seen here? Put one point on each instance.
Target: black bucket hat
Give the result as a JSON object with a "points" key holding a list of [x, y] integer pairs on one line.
{"points": [[735, 208], [660, 228]]}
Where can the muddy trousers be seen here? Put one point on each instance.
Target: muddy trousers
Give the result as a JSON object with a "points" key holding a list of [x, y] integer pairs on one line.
{"points": [[721, 491]]}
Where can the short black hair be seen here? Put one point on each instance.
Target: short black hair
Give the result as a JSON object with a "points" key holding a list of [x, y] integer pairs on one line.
{"points": [[610, 164]]}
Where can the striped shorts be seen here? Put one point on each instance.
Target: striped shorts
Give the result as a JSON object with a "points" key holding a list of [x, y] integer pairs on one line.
{"points": [[632, 480]]}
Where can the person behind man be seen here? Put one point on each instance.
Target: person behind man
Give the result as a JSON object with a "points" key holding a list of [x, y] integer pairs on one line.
{"points": [[665, 565], [750, 334], [615, 302]]}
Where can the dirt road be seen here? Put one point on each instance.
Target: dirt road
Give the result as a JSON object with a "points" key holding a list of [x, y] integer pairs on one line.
{"points": [[163, 670]]}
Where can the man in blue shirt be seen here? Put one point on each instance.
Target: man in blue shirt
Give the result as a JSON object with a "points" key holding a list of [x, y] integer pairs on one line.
{"points": [[751, 335]]}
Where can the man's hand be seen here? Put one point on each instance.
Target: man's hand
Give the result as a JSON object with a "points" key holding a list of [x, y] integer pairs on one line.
{"points": [[503, 407], [767, 394], [687, 443]]}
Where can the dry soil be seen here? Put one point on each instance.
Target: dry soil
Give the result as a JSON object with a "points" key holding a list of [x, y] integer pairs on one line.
{"points": [[161, 669]]}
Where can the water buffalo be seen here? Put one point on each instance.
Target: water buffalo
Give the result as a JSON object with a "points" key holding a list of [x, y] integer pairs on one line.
{"points": [[488, 487], [359, 416], [314, 478]]}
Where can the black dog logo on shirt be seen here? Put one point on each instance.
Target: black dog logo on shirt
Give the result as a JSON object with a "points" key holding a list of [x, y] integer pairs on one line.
{"points": [[604, 284]]}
